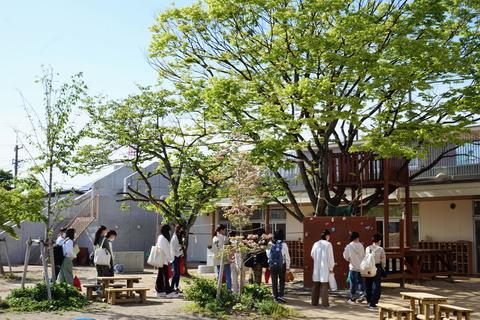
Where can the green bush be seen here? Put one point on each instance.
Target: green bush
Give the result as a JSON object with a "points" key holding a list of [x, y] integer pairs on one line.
{"points": [[273, 310], [64, 297], [254, 297]]}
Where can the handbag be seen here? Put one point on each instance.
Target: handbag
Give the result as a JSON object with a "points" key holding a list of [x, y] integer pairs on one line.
{"points": [[289, 276], [155, 257], [102, 256], [332, 283], [182, 266]]}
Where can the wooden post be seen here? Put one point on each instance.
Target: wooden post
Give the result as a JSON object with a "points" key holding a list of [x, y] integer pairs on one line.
{"points": [[408, 217], [4, 241], [25, 263], [267, 218], [386, 206]]}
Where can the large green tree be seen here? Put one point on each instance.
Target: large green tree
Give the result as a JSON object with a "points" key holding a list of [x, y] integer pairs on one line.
{"points": [[152, 127], [292, 77]]}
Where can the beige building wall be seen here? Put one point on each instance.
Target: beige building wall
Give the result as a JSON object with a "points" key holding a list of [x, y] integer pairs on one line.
{"points": [[438, 222], [294, 227]]}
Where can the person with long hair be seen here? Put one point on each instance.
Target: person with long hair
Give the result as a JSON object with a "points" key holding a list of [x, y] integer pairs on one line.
{"points": [[323, 263], [176, 254], [162, 285], [69, 252], [98, 242], [373, 285], [218, 244], [279, 264], [107, 271]]}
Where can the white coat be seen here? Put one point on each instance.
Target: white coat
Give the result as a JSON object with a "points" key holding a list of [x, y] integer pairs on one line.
{"points": [[164, 246], [323, 261]]}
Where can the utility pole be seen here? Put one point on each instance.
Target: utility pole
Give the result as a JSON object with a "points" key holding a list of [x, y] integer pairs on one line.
{"points": [[15, 160]]}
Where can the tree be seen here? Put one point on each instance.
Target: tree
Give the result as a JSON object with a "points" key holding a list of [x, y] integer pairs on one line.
{"points": [[148, 128], [293, 77], [54, 138], [24, 202], [6, 179]]}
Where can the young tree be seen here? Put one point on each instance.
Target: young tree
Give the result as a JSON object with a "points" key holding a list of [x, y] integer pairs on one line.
{"points": [[54, 138], [157, 129], [293, 77]]}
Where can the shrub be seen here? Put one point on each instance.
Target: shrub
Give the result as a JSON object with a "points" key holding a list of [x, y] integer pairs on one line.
{"points": [[64, 297], [273, 310], [203, 292]]}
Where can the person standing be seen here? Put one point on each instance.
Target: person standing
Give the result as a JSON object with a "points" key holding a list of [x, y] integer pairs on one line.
{"points": [[69, 252], [61, 237], [176, 252], [323, 263], [58, 258], [162, 285], [98, 243], [260, 259], [218, 244], [235, 263], [373, 285], [279, 264], [354, 254]]}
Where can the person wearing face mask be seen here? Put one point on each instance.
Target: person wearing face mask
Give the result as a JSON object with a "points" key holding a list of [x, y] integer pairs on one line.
{"points": [[106, 244], [323, 263], [218, 243], [69, 252]]}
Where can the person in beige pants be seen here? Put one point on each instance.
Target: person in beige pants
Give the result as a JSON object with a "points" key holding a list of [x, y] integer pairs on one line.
{"points": [[323, 263]]}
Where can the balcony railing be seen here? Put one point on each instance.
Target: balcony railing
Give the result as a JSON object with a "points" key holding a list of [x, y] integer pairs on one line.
{"points": [[449, 172]]}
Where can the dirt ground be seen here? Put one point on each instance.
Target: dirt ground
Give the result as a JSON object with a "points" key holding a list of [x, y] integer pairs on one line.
{"points": [[463, 291]]}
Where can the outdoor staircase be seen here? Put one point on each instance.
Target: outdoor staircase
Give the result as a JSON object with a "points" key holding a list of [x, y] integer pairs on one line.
{"points": [[87, 214]]}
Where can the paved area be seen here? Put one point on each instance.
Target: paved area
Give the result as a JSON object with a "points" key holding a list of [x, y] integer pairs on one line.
{"points": [[463, 291]]}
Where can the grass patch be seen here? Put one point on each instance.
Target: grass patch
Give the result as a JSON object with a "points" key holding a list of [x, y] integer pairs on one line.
{"points": [[31, 299]]}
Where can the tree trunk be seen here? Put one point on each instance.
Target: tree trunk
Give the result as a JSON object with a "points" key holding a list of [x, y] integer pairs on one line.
{"points": [[185, 250]]}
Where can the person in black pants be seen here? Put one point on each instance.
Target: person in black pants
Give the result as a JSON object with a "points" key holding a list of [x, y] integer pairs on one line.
{"points": [[279, 263], [107, 271], [162, 285], [373, 285]]}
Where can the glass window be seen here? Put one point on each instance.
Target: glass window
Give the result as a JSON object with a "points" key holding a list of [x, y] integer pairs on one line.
{"points": [[395, 211], [469, 153], [257, 215], [278, 214]]}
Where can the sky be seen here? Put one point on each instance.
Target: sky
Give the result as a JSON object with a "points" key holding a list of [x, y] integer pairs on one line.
{"points": [[107, 40]]}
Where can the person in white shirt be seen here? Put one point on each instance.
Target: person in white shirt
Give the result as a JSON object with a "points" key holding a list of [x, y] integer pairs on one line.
{"points": [[354, 253], [218, 243], [69, 252], [279, 264], [323, 263], [176, 251], [235, 263], [61, 237], [373, 285], [162, 285]]}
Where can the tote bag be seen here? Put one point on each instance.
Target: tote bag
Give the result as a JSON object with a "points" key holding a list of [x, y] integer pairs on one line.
{"points": [[155, 257], [102, 256], [332, 283]]}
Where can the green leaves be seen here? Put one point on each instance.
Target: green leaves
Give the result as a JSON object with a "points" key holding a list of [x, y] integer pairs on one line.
{"points": [[23, 202]]}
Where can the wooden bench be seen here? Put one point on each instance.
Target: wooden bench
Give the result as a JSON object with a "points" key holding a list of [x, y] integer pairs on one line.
{"points": [[458, 313], [126, 295], [93, 287], [387, 311]]}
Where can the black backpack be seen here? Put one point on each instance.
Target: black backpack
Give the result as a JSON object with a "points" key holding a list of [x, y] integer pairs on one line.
{"points": [[58, 256]]}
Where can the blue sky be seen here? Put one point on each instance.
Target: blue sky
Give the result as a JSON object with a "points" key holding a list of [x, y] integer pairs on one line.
{"points": [[106, 39]]}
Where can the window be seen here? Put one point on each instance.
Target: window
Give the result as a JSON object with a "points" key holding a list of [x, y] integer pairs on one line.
{"points": [[469, 153], [394, 231]]}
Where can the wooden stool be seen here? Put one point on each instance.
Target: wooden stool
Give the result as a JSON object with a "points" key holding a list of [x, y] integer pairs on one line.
{"points": [[388, 311], [458, 313], [91, 288]]}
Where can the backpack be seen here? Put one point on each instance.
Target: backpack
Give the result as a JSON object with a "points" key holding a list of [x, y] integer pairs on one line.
{"points": [[58, 256], [368, 268], [276, 255]]}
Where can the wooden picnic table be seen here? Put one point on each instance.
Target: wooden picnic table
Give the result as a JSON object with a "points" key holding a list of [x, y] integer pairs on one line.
{"points": [[107, 281], [425, 300]]}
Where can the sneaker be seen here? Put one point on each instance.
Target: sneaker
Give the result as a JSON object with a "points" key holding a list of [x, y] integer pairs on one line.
{"points": [[350, 301], [178, 291], [281, 299], [161, 295], [172, 295], [372, 308], [360, 300]]}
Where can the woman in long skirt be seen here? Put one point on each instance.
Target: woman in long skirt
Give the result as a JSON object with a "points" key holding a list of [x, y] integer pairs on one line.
{"points": [[69, 253]]}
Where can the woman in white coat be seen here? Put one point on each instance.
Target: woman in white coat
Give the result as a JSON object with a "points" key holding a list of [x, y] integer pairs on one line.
{"points": [[162, 285], [323, 263]]}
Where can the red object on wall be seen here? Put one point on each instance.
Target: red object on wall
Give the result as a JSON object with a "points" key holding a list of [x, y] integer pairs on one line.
{"points": [[340, 228]]}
